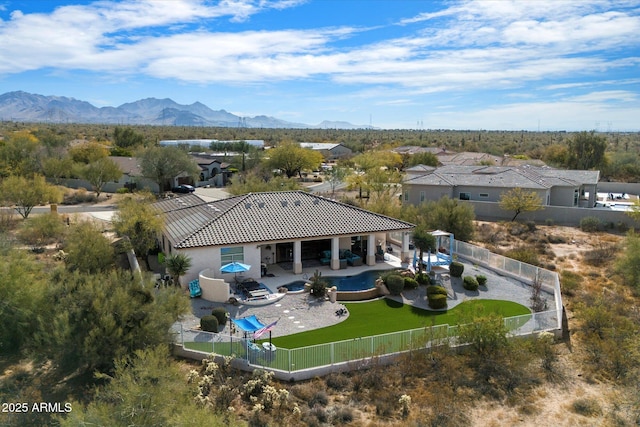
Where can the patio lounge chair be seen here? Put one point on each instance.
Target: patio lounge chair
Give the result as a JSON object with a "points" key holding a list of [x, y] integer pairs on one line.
{"points": [[194, 288]]}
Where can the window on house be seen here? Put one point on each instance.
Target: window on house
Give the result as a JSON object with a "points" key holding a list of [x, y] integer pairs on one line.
{"points": [[228, 255], [576, 197], [484, 195], [465, 196], [422, 196], [406, 195]]}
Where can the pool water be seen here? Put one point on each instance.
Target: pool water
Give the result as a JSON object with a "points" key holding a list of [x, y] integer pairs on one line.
{"points": [[359, 282]]}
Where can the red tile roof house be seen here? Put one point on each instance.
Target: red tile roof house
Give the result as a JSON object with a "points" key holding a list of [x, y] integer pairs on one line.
{"points": [[273, 227]]}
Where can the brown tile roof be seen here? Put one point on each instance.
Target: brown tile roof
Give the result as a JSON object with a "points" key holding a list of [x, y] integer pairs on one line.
{"points": [[266, 217]]}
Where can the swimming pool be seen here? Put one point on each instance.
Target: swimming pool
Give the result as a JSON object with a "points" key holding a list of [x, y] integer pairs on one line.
{"points": [[359, 282]]}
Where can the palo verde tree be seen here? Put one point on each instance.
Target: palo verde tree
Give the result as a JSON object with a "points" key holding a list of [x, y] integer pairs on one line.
{"points": [[95, 319], [136, 219], [19, 154], [519, 200], [292, 159], [445, 214], [26, 193], [163, 164], [127, 138], [586, 150], [88, 250], [100, 172]]}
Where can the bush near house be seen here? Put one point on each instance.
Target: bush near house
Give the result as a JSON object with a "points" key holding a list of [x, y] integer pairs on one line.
{"points": [[436, 290], [209, 323], [456, 269], [590, 224], [482, 279], [221, 314], [437, 301], [395, 284], [410, 283], [423, 279], [470, 283]]}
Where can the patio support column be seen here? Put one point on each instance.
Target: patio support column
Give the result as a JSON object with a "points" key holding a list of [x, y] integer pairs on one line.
{"points": [[404, 253], [297, 257], [335, 253], [371, 249]]}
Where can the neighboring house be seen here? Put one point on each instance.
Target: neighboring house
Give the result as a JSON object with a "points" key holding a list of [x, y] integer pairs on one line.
{"points": [[132, 177], [416, 149], [288, 228], [328, 150], [212, 170], [571, 188], [207, 142]]}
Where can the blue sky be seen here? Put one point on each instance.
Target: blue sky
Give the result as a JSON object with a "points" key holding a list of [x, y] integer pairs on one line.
{"points": [[500, 64]]}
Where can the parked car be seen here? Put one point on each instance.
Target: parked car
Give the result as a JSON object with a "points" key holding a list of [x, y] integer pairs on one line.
{"points": [[183, 188]]}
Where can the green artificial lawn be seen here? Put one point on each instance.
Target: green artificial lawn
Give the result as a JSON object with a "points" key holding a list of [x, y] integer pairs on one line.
{"points": [[385, 315]]}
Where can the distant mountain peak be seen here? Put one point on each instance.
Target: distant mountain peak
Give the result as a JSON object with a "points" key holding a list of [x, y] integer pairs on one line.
{"points": [[27, 107]]}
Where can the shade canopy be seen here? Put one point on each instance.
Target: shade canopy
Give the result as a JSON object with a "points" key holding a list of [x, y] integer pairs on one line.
{"points": [[249, 323], [235, 267]]}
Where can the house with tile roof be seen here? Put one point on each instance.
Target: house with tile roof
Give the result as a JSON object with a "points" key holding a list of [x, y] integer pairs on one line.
{"points": [[287, 228], [556, 187], [330, 151]]}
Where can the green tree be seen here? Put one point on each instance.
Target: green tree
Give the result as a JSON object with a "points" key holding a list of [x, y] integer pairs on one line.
{"points": [[146, 389], [445, 214], [628, 264], [292, 159], [586, 151], [22, 291], [178, 265], [136, 219], [42, 230], [100, 172], [96, 319], [519, 200], [88, 250], [254, 182], [57, 168], [26, 193], [88, 152], [336, 176], [19, 154], [163, 164], [127, 137], [428, 159], [423, 240]]}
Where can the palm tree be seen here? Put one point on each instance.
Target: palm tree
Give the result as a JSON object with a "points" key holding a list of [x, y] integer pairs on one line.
{"points": [[178, 265], [423, 241]]}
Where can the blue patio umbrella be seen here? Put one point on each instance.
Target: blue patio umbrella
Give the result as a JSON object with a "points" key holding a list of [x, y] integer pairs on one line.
{"points": [[235, 267]]}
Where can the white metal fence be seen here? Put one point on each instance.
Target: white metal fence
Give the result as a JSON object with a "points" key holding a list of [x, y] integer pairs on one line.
{"points": [[360, 350]]}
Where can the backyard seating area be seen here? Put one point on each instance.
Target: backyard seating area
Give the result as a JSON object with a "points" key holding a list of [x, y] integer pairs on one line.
{"points": [[345, 256]]}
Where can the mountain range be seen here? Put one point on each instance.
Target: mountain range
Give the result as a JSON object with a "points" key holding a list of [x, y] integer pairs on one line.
{"points": [[21, 106]]}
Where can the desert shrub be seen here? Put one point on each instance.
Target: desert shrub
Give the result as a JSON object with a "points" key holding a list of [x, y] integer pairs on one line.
{"points": [[395, 284], [622, 227], [209, 323], [320, 398], [437, 301], [590, 223], [436, 290], [553, 239], [343, 415], [523, 254], [337, 381], [122, 191], [410, 283], [221, 314], [482, 279], [318, 285], [456, 269], [81, 195], [42, 230], [470, 283], [601, 255], [531, 225], [423, 278], [586, 407], [549, 221]]}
